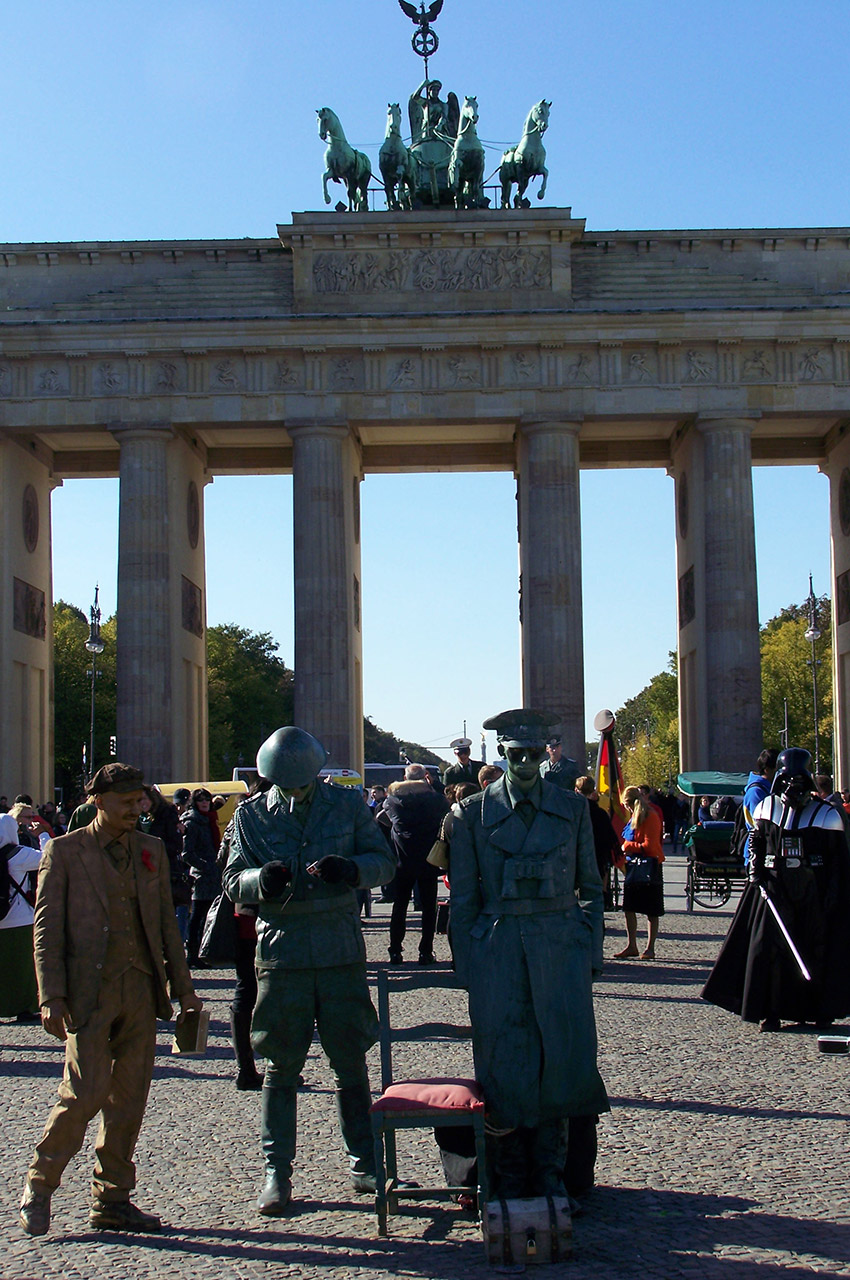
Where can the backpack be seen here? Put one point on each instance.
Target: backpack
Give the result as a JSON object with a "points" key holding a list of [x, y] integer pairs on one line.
{"points": [[9, 887]]}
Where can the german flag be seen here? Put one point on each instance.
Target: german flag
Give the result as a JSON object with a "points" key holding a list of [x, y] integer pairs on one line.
{"points": [[609, 780]]}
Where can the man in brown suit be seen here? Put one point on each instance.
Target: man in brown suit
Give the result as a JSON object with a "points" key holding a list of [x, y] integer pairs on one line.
{"points": [[107, 951]]}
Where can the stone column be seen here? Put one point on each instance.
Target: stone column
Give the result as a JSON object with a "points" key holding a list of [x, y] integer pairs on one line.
{"points": [[26, 625], [328, 632], [719, 660], [144, 695], [837, 468], [549, 522], [161, 660]]}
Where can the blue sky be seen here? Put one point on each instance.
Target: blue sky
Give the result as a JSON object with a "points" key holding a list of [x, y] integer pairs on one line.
{"points": [[186, 120]]}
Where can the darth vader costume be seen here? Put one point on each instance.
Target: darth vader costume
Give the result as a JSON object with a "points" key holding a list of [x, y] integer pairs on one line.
{"points": [[799, 857]]}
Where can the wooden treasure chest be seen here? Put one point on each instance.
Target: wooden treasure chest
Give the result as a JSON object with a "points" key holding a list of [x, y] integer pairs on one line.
{"points": [[517, 1232]]}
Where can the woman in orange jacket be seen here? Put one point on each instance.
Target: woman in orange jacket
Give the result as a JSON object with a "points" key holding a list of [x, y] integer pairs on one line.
{"points": [[643, 888]]}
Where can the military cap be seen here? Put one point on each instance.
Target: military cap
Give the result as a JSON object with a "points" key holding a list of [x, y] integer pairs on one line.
{"points": [[554, 740], [291, 758], [461, 744], [520, 728], [115, 777]]}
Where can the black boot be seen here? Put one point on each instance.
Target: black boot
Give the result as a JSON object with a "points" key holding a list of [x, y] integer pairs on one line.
{"points": [[279, 1127], [352, 1108], [240, 1036]]}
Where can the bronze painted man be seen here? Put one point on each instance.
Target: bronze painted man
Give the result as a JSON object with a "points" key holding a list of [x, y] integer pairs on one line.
{"points": [[526, 932], [299, 851], [107, 953]]}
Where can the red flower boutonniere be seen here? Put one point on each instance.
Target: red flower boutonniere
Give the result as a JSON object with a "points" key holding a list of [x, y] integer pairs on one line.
{"points": [[147, 860]]}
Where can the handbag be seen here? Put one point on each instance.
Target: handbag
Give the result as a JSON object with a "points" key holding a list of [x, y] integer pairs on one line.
{"points": [[639, 871], [218, 944]]}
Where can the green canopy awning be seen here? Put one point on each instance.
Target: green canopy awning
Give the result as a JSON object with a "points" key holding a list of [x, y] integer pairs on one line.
{"points": [[711, 783]]}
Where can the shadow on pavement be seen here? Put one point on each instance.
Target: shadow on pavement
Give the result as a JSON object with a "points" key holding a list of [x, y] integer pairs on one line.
{"points": [[727, 1109], [674, 1233]]}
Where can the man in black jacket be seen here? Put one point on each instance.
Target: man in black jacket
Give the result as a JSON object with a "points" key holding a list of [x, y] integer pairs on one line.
{"points": [[415, 812]]}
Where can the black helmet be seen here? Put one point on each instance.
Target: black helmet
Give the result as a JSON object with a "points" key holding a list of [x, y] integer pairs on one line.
{"points": [[793, 776]]}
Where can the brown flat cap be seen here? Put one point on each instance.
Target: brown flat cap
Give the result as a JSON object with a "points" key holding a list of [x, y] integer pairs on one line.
{"points": [[115, 777]]}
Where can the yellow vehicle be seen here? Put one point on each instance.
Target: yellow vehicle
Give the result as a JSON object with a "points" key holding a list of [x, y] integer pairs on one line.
{"points": [[229, 789], [342, 778]]}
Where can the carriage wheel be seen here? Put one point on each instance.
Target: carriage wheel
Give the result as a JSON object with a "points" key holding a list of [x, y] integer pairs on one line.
{"points": [[690, 886], [713, 893]]}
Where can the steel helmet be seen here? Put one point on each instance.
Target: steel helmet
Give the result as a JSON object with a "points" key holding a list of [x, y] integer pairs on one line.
{"points": [[291, 758]]}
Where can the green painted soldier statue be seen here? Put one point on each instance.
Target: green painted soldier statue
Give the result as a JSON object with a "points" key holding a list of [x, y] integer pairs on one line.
{"points": [[526, 932], [299, 851]]}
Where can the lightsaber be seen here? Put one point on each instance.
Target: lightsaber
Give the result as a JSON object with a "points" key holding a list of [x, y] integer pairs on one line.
{"points": [[786, 935]]}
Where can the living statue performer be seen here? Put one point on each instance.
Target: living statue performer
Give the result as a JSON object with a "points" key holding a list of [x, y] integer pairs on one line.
{"points": [[526, 933], [799, 870], [299, 851], [108, 955]]}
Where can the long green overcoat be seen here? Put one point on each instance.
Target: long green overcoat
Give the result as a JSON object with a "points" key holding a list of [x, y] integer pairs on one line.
{"points": [[526, 932], [320, 925]]}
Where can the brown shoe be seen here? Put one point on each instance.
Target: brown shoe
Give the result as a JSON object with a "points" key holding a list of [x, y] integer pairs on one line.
{"points": [[35, 1211], [121, 1215]]}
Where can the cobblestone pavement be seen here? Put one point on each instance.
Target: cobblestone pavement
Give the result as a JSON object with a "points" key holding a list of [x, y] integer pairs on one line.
{"points": [[724, 1156]]}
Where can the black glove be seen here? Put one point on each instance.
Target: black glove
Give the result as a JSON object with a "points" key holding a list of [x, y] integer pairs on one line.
{"points": [[335, 870], [756, 872], [274, 877]]}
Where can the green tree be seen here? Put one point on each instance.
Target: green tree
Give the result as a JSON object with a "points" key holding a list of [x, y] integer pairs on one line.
{"points": [[382, 747], [786, 674], [647, 731], [72, 693], [250, 690]]}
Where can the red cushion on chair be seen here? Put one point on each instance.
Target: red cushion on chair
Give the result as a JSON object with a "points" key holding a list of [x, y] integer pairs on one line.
{"points": [[428, 1095]]}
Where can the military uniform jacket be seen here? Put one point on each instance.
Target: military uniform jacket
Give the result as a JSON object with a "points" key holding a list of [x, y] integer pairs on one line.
{"points": [[71, 926], [526, 932], [319, 925], [456, 773], [562, 773]]}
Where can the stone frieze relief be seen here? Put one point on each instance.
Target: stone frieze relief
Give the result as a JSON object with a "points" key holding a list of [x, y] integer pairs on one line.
{"points": [[605, 365], [432, 270]]}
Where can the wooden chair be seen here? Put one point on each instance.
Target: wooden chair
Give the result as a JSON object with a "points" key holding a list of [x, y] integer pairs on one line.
{"points": [[419, 1104]]}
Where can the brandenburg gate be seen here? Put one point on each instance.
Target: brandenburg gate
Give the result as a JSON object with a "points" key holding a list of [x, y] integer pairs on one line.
{"points": [[440, 340]]}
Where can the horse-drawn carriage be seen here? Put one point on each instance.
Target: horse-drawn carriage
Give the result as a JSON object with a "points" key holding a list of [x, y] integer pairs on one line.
{"points": [[715, 868]]}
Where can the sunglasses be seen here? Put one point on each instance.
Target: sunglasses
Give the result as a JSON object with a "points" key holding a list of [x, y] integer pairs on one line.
{"points": [[516, 754]]}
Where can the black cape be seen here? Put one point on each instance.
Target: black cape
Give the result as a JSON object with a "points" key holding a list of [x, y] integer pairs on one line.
{"points": [[805, 869]]}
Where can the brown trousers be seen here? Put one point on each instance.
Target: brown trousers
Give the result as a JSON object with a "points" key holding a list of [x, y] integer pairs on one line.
{"points": [[108, 1069]]}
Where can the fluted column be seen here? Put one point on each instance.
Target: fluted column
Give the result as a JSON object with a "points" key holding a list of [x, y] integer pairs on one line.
{"points": [[326, 543], [549, 520], [26, 624], [719, 658], [144, 694], [837, 469]]}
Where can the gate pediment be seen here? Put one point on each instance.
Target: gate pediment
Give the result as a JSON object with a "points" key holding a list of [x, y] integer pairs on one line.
{"points": [[447, 260]]}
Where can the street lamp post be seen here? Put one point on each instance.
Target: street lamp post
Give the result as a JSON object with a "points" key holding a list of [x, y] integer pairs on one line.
{"points": [[94, 646], [812, 634]]}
